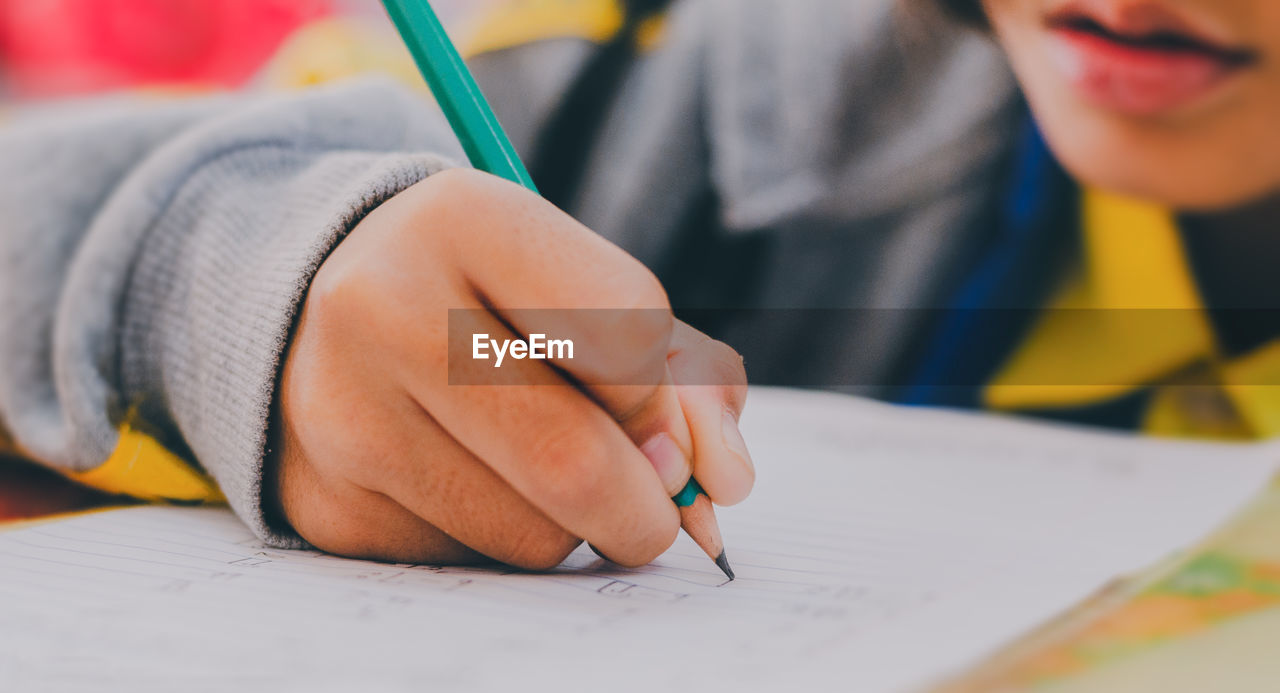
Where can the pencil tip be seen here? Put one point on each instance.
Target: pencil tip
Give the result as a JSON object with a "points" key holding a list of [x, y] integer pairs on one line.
{"points": [[724, 565]]}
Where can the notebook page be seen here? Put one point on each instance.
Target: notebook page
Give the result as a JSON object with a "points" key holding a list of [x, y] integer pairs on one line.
{"points": [[883, 549]]}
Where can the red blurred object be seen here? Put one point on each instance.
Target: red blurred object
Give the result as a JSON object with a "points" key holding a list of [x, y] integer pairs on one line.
{"points": [[59, 47]]}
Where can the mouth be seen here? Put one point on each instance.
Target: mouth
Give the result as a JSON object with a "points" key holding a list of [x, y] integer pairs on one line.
{"points": [[1140, 58]]}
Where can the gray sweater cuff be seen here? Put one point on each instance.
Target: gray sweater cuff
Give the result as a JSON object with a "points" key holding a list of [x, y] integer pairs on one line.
{"points": [[215, 290]]}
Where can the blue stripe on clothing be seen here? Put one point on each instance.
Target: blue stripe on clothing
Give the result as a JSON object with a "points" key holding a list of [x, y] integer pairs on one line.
{"points": [[994, 306]]}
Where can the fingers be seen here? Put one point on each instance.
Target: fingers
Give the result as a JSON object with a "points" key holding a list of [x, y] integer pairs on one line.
{"points": [[408, 492], [417, 456], [659, 427], [574, 285], [341, 518], [555, 447], [721, 462], [433, 477]]}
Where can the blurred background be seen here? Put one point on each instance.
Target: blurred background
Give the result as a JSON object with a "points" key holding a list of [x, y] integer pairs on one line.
{"points": [[59, 48], [53, 49]]}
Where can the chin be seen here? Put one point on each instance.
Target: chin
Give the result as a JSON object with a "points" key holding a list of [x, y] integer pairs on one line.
{"points": [[1162, 163]]}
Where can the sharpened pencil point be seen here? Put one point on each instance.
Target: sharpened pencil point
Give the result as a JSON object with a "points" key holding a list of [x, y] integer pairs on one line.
{"points": [[724, 565]]}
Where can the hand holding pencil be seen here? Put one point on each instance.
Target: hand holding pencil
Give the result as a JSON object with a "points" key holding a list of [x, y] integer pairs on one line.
{"points": [[379, 453], [490, 150]]}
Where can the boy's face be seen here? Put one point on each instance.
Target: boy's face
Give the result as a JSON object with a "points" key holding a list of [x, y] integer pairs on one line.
{"points": [[1173, 100]]}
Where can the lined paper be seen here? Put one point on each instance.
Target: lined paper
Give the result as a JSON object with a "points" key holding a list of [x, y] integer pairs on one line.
{"points": [[883, 550]]}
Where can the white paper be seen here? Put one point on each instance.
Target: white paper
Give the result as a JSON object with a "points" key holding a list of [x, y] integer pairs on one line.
{"points": [[883, 549]]}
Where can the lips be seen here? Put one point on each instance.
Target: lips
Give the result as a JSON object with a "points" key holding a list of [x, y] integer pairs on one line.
{"points": [[1140, 59]]}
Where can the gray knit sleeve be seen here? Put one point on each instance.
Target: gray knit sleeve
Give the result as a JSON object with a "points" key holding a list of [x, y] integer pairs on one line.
{"points": [[153, 257]]}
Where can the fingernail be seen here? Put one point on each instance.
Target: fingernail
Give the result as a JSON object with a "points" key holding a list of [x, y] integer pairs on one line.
{"points": [[734, 441], [666, 457]]}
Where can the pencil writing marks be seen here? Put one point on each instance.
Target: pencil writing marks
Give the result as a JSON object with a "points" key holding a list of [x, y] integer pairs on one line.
{"points": [[890, 549], [617, 588]]}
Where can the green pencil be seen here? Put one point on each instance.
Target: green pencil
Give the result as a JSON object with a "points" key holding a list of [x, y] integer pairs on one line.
{"points": [[473, 121], [491, 151]]}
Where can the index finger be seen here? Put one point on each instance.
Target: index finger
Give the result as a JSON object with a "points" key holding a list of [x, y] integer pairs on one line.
{"points": [[554, 445], [546, 274]]}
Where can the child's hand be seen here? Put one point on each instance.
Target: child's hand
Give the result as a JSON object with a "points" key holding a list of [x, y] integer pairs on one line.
{"points": [[378, 456]]}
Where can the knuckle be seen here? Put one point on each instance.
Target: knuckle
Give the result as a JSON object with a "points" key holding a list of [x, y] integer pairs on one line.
{"points": [[449, 203], [625, 347], [457, 178], [651, 330], [301, 497], [715, 363], [542, 546], [573, 473], [727, 364], [648, 322], [314, 411], [636, 343], [651, 541], [458, 188], [338, 291], [642, 303], [299, 400], [325, 525], [330, 537], [647, 292], [466, 193]]}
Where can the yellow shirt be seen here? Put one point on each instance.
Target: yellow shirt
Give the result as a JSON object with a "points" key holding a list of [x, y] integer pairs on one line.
{"points": [[1131, 319]]}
